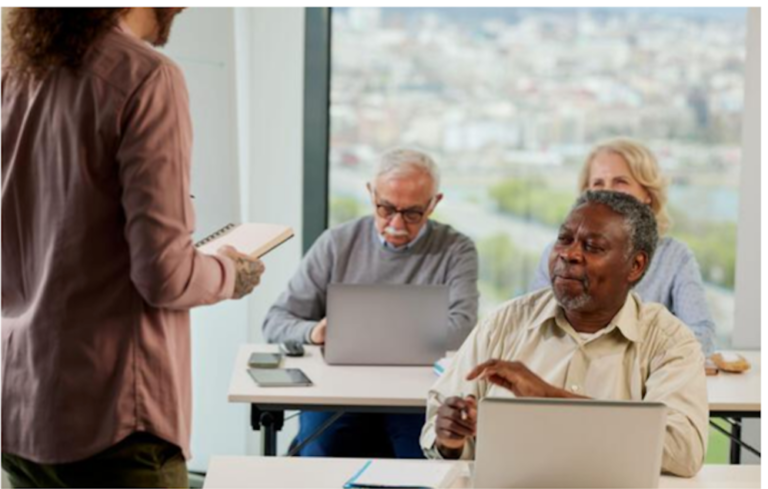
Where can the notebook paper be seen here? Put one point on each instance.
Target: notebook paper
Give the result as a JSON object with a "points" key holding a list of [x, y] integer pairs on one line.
{"points": [[252, 239], [403, 473]]}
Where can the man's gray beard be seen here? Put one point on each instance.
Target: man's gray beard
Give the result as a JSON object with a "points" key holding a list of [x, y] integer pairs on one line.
{"points": [[574, 303]]}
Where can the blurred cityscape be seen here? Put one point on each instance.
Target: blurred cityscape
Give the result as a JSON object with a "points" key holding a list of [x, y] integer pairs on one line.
{"points": [[510, 101]]}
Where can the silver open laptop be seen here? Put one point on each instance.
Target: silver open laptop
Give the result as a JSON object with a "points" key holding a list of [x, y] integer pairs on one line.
{"points": [[536, 443], [386, 324]]}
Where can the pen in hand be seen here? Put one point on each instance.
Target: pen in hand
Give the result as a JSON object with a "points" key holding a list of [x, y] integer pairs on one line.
{"points": [[464, 411], [455, 423]]}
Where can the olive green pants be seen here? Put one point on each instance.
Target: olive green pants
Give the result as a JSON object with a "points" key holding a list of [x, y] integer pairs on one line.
{"points": [[140, 460]]}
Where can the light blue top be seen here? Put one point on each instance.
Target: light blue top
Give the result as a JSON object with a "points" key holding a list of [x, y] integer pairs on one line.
{"points": [[406, 246], [673, 280]]}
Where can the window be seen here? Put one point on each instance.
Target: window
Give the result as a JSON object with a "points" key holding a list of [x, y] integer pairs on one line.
{"points": [[509, 102]]}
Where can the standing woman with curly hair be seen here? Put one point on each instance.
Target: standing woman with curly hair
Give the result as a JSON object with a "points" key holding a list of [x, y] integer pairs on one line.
{"points": [[98, 267]]}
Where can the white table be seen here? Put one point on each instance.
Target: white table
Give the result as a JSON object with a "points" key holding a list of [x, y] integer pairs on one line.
{"points": [[299, 472], [734, 397], [736, 393], [404, 390], [336, 388]]}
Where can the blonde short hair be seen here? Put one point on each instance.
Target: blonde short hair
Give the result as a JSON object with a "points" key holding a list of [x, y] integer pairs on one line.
{"points": [[644, 168]]}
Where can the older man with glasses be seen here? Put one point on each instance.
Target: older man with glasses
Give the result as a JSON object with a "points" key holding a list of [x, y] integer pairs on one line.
{"points": [[399, 244]]}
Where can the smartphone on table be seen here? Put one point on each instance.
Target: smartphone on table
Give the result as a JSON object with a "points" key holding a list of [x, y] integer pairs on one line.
{"points": [[264, 360]]}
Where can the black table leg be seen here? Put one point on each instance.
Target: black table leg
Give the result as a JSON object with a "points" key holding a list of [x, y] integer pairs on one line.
{"points": [[272, 422], [735, 447], [734, 435]]}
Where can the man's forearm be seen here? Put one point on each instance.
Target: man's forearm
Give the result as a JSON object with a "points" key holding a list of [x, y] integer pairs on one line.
{"points": [[282, 326]]}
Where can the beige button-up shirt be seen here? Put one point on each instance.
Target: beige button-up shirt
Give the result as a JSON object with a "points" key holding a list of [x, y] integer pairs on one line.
{"points": [[644, 354], [98, 266]]}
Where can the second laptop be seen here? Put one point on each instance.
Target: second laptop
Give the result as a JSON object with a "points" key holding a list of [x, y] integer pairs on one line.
{"points": [[386, 324]]}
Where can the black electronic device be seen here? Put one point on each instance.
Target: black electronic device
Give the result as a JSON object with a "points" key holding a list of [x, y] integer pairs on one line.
{"points": [[292, 349]]}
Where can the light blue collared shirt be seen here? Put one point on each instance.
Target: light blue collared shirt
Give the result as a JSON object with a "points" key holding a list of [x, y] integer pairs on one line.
{"points": [[406, 246]]}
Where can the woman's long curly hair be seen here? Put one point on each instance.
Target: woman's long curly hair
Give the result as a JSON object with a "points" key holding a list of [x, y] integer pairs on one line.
{"points": [[40, 39]]}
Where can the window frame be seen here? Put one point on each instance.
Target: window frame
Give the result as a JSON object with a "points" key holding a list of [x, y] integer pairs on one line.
{"points": [[317, 113]]}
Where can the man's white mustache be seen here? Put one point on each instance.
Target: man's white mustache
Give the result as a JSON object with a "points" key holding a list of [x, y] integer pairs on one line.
{"points": [[397, 233]]}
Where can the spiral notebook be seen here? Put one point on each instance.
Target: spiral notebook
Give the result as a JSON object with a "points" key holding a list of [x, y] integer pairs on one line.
{"points": [[252, 239]]}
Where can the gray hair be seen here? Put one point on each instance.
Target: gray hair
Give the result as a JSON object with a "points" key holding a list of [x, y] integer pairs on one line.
{"points": [[639, 220], [403, 160]]}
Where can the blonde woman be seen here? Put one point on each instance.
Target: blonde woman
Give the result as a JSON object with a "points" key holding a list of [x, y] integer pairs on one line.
{"points": [[673, 279]]}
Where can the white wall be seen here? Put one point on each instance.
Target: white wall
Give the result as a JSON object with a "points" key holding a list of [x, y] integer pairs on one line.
{"points": [[746, 331], [271, 47], [203, 44], [245, 74]]}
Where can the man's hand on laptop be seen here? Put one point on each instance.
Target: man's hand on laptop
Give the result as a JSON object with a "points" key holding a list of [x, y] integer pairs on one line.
{"points": [[517, 378], [456, 422], [317, 336]]}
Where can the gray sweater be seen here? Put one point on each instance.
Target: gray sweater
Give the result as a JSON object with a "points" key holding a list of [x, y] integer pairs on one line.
{"points": [[352, 253]]}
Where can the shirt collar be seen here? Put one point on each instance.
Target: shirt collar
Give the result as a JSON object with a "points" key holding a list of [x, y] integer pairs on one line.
{"points": [[123, 27], [406, 246], [626, 320]]}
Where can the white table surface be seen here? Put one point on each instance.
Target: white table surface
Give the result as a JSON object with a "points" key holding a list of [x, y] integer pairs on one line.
{"points": [[736, 392], [408, 386], [281, 472], [333, 385]]}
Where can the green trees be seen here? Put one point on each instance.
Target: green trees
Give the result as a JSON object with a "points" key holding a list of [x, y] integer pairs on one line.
{"points": [[505, 269], [714, 245], [713, 242], [532, 200], [344, 209]]}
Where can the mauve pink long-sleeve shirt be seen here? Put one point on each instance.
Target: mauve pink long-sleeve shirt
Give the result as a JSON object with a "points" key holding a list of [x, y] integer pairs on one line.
{"points": [[98, 266]]}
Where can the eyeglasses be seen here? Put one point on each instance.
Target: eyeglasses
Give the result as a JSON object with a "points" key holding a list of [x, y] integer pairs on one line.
{"points": [[410, 215]]}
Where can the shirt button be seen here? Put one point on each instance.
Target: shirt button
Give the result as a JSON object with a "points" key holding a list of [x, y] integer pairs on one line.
{"points": [[575, 388]]}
